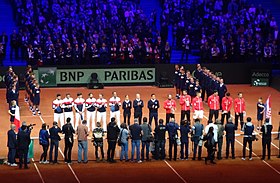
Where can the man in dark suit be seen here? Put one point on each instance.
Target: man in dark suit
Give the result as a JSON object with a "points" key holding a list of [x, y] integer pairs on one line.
{"points": [[222, 90], [266, 138], [69, 132], [138, 104], [153, 105], [23, 141], [12, 144], [230, 137], [55, 138]]}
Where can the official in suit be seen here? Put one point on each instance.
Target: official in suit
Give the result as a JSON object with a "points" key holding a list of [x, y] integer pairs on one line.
{"points": [[23, 141], [266, 139], [12, 145]]}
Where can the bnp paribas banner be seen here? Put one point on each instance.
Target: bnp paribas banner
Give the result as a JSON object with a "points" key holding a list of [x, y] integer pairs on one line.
{"points": [[47, 76], [83, 76]]}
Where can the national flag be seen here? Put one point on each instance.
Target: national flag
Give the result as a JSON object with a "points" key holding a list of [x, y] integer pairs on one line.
{"points": [[268, 109], [17, 118]]}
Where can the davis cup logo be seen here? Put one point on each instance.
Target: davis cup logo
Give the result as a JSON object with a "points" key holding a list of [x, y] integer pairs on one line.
{"points": [[47, 76]]}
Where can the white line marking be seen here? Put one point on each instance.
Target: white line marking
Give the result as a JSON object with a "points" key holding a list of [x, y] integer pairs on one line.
{"points": [[76, 177], [38, 171], [175, 172], [70, 166]]}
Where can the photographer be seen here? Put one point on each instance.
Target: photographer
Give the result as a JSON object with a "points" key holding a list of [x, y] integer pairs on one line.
{"points": [[210, 145], [172, 129], [68, 132], [248, 129], [23, 141], [197, 132], [185, 129], [160, 140], [112, 136], [44, 142], [98, 134], [266, 130], [55, 138]]}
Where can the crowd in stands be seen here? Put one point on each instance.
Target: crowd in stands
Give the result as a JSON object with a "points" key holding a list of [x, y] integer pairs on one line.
{"points": [[115, 31], [223, 30], [85, 32]]}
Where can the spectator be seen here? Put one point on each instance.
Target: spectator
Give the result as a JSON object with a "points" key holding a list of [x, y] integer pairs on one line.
{"points": [[112, 136], [82, 132], [135, 132], [44, 142], [68, 132], [124, 135]]}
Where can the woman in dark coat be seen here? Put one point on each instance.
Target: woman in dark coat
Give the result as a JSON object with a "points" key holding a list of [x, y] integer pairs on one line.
{"points": [[210, 146]]}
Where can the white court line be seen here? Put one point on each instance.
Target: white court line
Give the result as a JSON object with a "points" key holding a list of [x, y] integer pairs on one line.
{"points": [[38, 171], [70, 166], [76, 177], [270, 166], [175, 172]]}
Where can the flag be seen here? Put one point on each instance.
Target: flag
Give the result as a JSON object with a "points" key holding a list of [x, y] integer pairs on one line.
{"points": [[268, 109], [17, 118]]}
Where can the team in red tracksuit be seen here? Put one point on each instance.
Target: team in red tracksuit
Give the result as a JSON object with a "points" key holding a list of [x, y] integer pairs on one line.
{"points": [[197, 105], [226, 107], [239, 109], [185, 102], [214, 105], [170, 106]]}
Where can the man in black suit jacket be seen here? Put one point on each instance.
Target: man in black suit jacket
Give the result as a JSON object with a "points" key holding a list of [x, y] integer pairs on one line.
{"points": [[138, 104], [12, 144], [23, 141]]}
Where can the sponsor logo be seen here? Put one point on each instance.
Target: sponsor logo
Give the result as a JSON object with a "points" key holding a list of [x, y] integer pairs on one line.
{"points": [[47, 76], [261, 74]]}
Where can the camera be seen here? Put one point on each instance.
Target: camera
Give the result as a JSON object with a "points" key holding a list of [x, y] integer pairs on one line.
{"points": [[30, 127]]}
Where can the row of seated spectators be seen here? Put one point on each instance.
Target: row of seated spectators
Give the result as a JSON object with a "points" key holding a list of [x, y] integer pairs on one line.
{"points": [[227, 29], [85, 31]]}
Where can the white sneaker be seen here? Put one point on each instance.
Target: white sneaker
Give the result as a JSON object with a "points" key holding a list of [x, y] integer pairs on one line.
{"points": [[41, 162], [243, 159], [250, 159], [8, 163], [46, 162], [139, 161], [13, 164]]}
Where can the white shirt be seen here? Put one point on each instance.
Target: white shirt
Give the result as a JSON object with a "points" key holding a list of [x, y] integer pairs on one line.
{"points": [[215, 130]]}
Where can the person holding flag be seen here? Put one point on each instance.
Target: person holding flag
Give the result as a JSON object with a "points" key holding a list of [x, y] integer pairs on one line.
{"points": [[260, 112], [14, 114], [79, 105], [115, 103]]}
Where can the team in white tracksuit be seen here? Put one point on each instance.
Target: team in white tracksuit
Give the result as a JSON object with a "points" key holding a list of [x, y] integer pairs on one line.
{"points": [[58, 110], [91, 111], [79, 105], [115, 103], [101, 105], [68, 104]]}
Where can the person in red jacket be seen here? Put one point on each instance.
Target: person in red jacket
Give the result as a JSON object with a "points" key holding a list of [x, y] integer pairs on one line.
{"points": [[214, 105], [197, 105], [170, 106], [239, 109], [226, 107], [185, 102]]}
